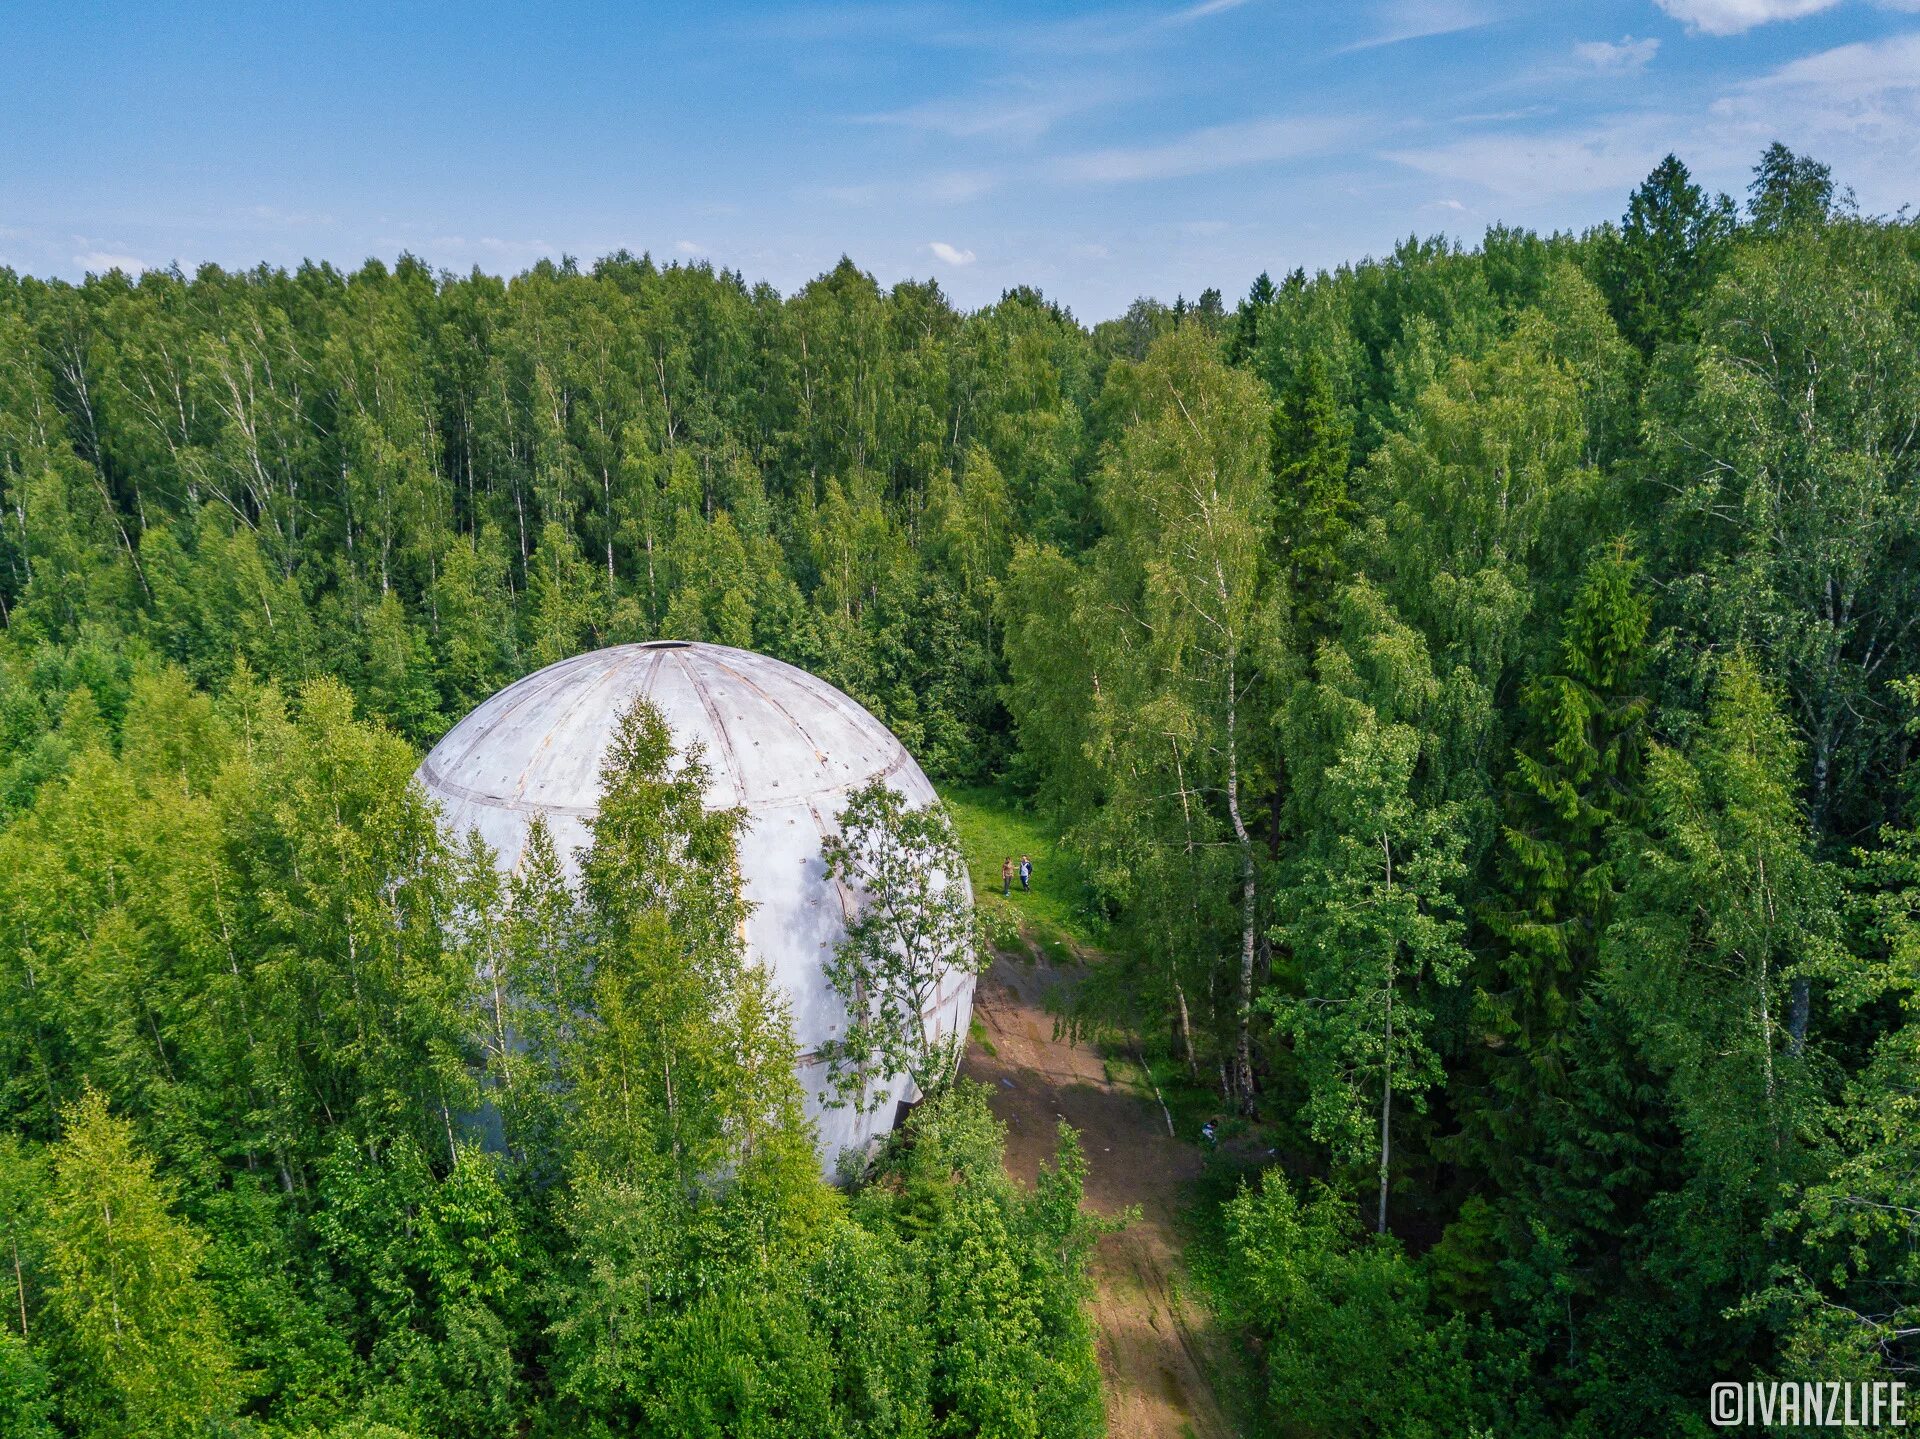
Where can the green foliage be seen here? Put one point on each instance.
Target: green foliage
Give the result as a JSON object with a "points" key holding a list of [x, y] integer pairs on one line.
{"points": [[1661, 262], [136, 1334], [1369, 913], [1789, 190], [1563, 881], [1312, 442], [1004, 1275], [26, 1397], [1353, 1343], [1576, 776], [1783, 441], [1154, 714], [916, 929]]}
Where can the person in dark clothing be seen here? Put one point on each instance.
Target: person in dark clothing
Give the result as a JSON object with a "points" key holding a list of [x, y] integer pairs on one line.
{"points": [[1006, 876], [1026, 874]]}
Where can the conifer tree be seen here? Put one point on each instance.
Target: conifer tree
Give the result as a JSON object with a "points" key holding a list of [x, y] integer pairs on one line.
{"points": [[1313, 512], [1576, 773], [1665, 255]]}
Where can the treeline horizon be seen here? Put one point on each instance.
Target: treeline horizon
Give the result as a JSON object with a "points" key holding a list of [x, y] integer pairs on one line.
{"points": [[1477, 687]]}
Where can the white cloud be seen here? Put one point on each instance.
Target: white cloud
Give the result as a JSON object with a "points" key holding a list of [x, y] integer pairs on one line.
{"points": [[1622, 57], [1852, 72], [1402, 20], [1200, 152], [689, 247], [950, 254], [1855, 107], [1609, 158], [98, 262], [954, 187], [1018, 117], [1730, 17]]}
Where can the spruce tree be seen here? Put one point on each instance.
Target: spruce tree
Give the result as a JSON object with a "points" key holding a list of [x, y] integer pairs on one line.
{"points": [[1664, 257], [1313, 512], [1576, 772]]}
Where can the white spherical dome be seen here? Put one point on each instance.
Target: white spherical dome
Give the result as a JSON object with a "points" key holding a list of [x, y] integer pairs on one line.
{"points": [[779, 744]]}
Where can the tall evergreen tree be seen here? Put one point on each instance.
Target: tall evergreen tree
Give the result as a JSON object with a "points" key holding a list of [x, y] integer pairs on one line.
{"points": [[1314, 513], [1576, 775], [1665, 255]]}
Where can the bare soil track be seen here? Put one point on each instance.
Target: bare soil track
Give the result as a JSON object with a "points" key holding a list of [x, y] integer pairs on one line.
{"points": [[1153, 1340]]}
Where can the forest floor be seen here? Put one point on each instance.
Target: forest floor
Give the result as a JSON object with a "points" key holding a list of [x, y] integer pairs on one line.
{"points": [[1157, 1355]]}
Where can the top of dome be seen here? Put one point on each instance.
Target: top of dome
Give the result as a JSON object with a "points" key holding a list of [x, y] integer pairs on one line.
{"points": [[771, 734]]}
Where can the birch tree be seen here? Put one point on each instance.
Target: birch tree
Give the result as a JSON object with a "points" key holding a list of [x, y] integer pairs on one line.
{"points": [[915, 927], [1177, 610], [1370, 920]]}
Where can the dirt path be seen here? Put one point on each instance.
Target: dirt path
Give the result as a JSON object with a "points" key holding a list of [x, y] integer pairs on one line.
{"points": [[1150, 1342]]}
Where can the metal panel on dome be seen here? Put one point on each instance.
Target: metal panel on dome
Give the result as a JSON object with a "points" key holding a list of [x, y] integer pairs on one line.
{"points": [[779, 743]]}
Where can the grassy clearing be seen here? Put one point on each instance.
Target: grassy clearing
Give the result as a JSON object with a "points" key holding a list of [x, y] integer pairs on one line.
{"points": [[991, 829]]}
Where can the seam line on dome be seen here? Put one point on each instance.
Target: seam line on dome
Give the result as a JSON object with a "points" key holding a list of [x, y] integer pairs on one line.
{"points": [[786, 713], [735, 777], [533, 690], [607, 672]]}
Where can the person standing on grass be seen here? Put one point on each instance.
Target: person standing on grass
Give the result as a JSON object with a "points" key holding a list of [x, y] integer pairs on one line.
{"points": [[1026, 874], [1006, 877]]}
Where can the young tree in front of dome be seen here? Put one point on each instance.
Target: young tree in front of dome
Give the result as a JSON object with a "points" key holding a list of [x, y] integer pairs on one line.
{"points": [[670, 1089], [916, 928]]}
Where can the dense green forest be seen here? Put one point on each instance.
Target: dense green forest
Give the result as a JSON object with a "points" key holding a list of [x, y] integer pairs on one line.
{"points": [[1478, 687]]}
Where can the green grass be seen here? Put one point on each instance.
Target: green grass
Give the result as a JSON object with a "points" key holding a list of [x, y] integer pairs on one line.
{"points": [[977, 1037], [992, 828]]}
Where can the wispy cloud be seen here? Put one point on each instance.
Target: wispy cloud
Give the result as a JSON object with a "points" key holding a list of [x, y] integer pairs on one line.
{"points": [[951, 254], [689, 247], [1608, 157], [99, 262], [1851, 72], [1856, 106], [1401, 20], [1731, 17], [1203, 10], [1617, 57], [1199, 152], [1020, 111]]}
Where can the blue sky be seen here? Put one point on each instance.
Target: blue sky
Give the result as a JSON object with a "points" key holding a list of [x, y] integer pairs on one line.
{"points": [[1100, 152]]}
